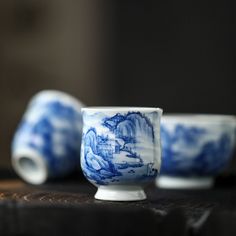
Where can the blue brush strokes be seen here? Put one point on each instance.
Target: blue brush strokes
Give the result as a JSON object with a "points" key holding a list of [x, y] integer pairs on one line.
{"points": [[99, 150], [45, 129], [125, 127], [212, 157]]}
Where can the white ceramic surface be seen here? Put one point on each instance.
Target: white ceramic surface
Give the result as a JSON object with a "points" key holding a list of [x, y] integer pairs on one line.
{"points": [[174, 182]]}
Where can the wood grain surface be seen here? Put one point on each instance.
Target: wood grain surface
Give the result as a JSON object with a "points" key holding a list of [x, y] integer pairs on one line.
{"points": [[69, 208]]}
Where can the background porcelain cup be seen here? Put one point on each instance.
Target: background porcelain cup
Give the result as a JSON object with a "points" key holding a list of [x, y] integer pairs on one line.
{"points": [[195, 148], [47, 141], [120, 150]]}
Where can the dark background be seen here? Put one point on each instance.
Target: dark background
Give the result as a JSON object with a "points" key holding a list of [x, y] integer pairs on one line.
{"points": [[178, 55]]}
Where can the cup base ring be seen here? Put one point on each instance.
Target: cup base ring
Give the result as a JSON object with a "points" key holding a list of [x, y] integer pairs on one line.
{"points": [[172, 182], [120, 193]]}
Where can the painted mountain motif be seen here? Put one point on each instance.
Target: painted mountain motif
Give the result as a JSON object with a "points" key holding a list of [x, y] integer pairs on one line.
{"points": [[118, 153], [187, 152]]}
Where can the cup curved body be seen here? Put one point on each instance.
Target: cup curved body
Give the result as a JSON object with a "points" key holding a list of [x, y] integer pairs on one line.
{"points": [[120, 146], [196, 145], [47, 141]]}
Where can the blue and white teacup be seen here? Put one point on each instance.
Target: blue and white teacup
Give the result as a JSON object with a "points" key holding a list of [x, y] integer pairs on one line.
{"points": [[120, 150], [47, 141], [195, 148]]}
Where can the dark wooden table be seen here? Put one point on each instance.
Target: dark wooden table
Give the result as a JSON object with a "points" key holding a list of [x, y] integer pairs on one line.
{"points": [[68, 208]]}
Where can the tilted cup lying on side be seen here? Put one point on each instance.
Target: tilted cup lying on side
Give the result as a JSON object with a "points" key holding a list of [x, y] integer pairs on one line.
{"points": [[195, 148], [120, 150], [47, 141]]}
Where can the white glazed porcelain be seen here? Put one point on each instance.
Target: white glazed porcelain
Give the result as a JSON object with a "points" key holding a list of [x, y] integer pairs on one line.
{"points": [[120, 150], [195, 148], [47, 141]]}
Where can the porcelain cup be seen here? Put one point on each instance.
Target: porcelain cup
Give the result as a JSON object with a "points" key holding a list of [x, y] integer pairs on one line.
{"points": [[120, 150], [195, 149], [47, 141]]}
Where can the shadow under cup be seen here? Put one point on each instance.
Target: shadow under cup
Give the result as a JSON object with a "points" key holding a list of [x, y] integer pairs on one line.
{"points": [[47, 141]]}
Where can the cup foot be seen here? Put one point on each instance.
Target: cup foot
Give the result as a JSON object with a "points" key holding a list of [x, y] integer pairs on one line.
{"points": [[120, 193], [184, 183]]}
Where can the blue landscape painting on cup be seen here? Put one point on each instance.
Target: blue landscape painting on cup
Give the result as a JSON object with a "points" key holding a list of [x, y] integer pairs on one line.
{"points": [[55, 134], [116, 155], [210, 156]]}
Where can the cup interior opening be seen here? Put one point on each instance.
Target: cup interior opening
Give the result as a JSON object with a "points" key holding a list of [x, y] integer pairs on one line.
{"points": [[30, 170], [28, 165]]}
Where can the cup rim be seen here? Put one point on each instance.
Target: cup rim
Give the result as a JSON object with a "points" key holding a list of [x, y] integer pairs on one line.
{"points": [[199, 118], [121, 108]]}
